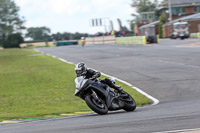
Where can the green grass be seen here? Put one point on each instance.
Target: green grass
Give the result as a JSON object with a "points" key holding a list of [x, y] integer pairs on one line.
{"points": [[34, 86]]}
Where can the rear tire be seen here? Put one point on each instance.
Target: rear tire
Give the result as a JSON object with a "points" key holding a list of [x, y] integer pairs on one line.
{"points": [[130, 104], [98, 107]]}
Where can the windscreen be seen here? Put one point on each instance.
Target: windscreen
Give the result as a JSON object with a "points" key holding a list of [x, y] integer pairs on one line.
{"points": [[181, 27]]}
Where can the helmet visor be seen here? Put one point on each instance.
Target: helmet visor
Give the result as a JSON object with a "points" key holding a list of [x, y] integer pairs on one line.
{"points": [[79, 72]]}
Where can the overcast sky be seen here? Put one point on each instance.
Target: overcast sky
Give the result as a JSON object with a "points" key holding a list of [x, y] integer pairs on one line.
{"points": [[74, 15]]}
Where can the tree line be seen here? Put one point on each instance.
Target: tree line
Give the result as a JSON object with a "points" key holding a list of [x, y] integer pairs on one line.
{"points": [[38, 34], [12, 27], [10, 24]]}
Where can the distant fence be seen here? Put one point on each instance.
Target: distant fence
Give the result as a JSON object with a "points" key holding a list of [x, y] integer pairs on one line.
{"points": [[49, 44], [195, 35], [38, 44], [64, 43], [131, 40]]}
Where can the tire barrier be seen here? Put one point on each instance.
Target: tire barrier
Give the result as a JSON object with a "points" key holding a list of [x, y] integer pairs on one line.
{"points": [[64, 43], [101, 40], [195, 35], [132, 40]]}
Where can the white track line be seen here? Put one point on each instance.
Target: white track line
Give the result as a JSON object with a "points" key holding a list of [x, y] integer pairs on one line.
{"points": [[155, 101], [180, 131]]}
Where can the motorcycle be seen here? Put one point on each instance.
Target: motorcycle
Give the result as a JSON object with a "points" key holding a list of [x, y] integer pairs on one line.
{"points": [[101, 98]]}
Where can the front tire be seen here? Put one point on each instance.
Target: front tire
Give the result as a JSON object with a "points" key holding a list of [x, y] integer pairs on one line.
{"points": [[130, 104], [97, 106]]}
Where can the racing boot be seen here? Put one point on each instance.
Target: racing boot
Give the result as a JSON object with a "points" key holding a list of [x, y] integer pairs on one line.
{"points": [[118, 88], [112, 85]]}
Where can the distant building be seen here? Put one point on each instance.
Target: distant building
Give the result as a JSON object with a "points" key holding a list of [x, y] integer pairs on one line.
{"points": [[144, 18], [181, 8], [147, 17], [193, 21], [150, 29]]}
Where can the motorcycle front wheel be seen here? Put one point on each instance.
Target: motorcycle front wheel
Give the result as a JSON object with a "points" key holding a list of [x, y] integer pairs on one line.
{"points": [[97, 105], [130, 104]]}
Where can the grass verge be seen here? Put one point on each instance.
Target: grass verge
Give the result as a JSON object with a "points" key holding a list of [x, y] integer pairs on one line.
{"points": [[34, 85]]}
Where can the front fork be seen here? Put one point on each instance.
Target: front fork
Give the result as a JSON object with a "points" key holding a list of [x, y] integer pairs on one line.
{"points": [[95, 96]]}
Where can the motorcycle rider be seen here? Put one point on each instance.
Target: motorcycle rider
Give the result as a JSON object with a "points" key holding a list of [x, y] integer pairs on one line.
{"points": [[81, 70]]}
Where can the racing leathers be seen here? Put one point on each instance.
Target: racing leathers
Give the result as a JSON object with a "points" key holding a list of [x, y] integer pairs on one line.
{"points": [[91, 74]]}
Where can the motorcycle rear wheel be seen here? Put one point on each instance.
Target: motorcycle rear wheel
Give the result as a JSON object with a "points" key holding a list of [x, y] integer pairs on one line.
{"points": [[97, 106]]}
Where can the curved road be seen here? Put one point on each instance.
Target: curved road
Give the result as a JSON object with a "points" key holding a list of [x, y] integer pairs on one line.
{"points": [[169, 71]]}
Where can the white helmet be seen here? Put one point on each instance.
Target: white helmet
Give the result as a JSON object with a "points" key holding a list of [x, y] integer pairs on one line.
{"points": [[80, 69]]}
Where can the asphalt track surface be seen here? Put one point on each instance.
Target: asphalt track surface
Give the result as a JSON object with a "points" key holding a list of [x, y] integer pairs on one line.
{"points": [[169, 71]]}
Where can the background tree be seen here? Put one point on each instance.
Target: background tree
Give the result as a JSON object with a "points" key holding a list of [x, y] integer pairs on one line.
{"points": [[164, 1], [57, 36], [162, 22], [10, 22], [143, 6], [125, 29], [39, 33], [131, 26], [14, 40], [68, 36], [77, 36]]}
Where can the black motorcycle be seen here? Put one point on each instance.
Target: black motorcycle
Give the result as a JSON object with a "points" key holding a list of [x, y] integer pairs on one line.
{"points": [[101, 98]]}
